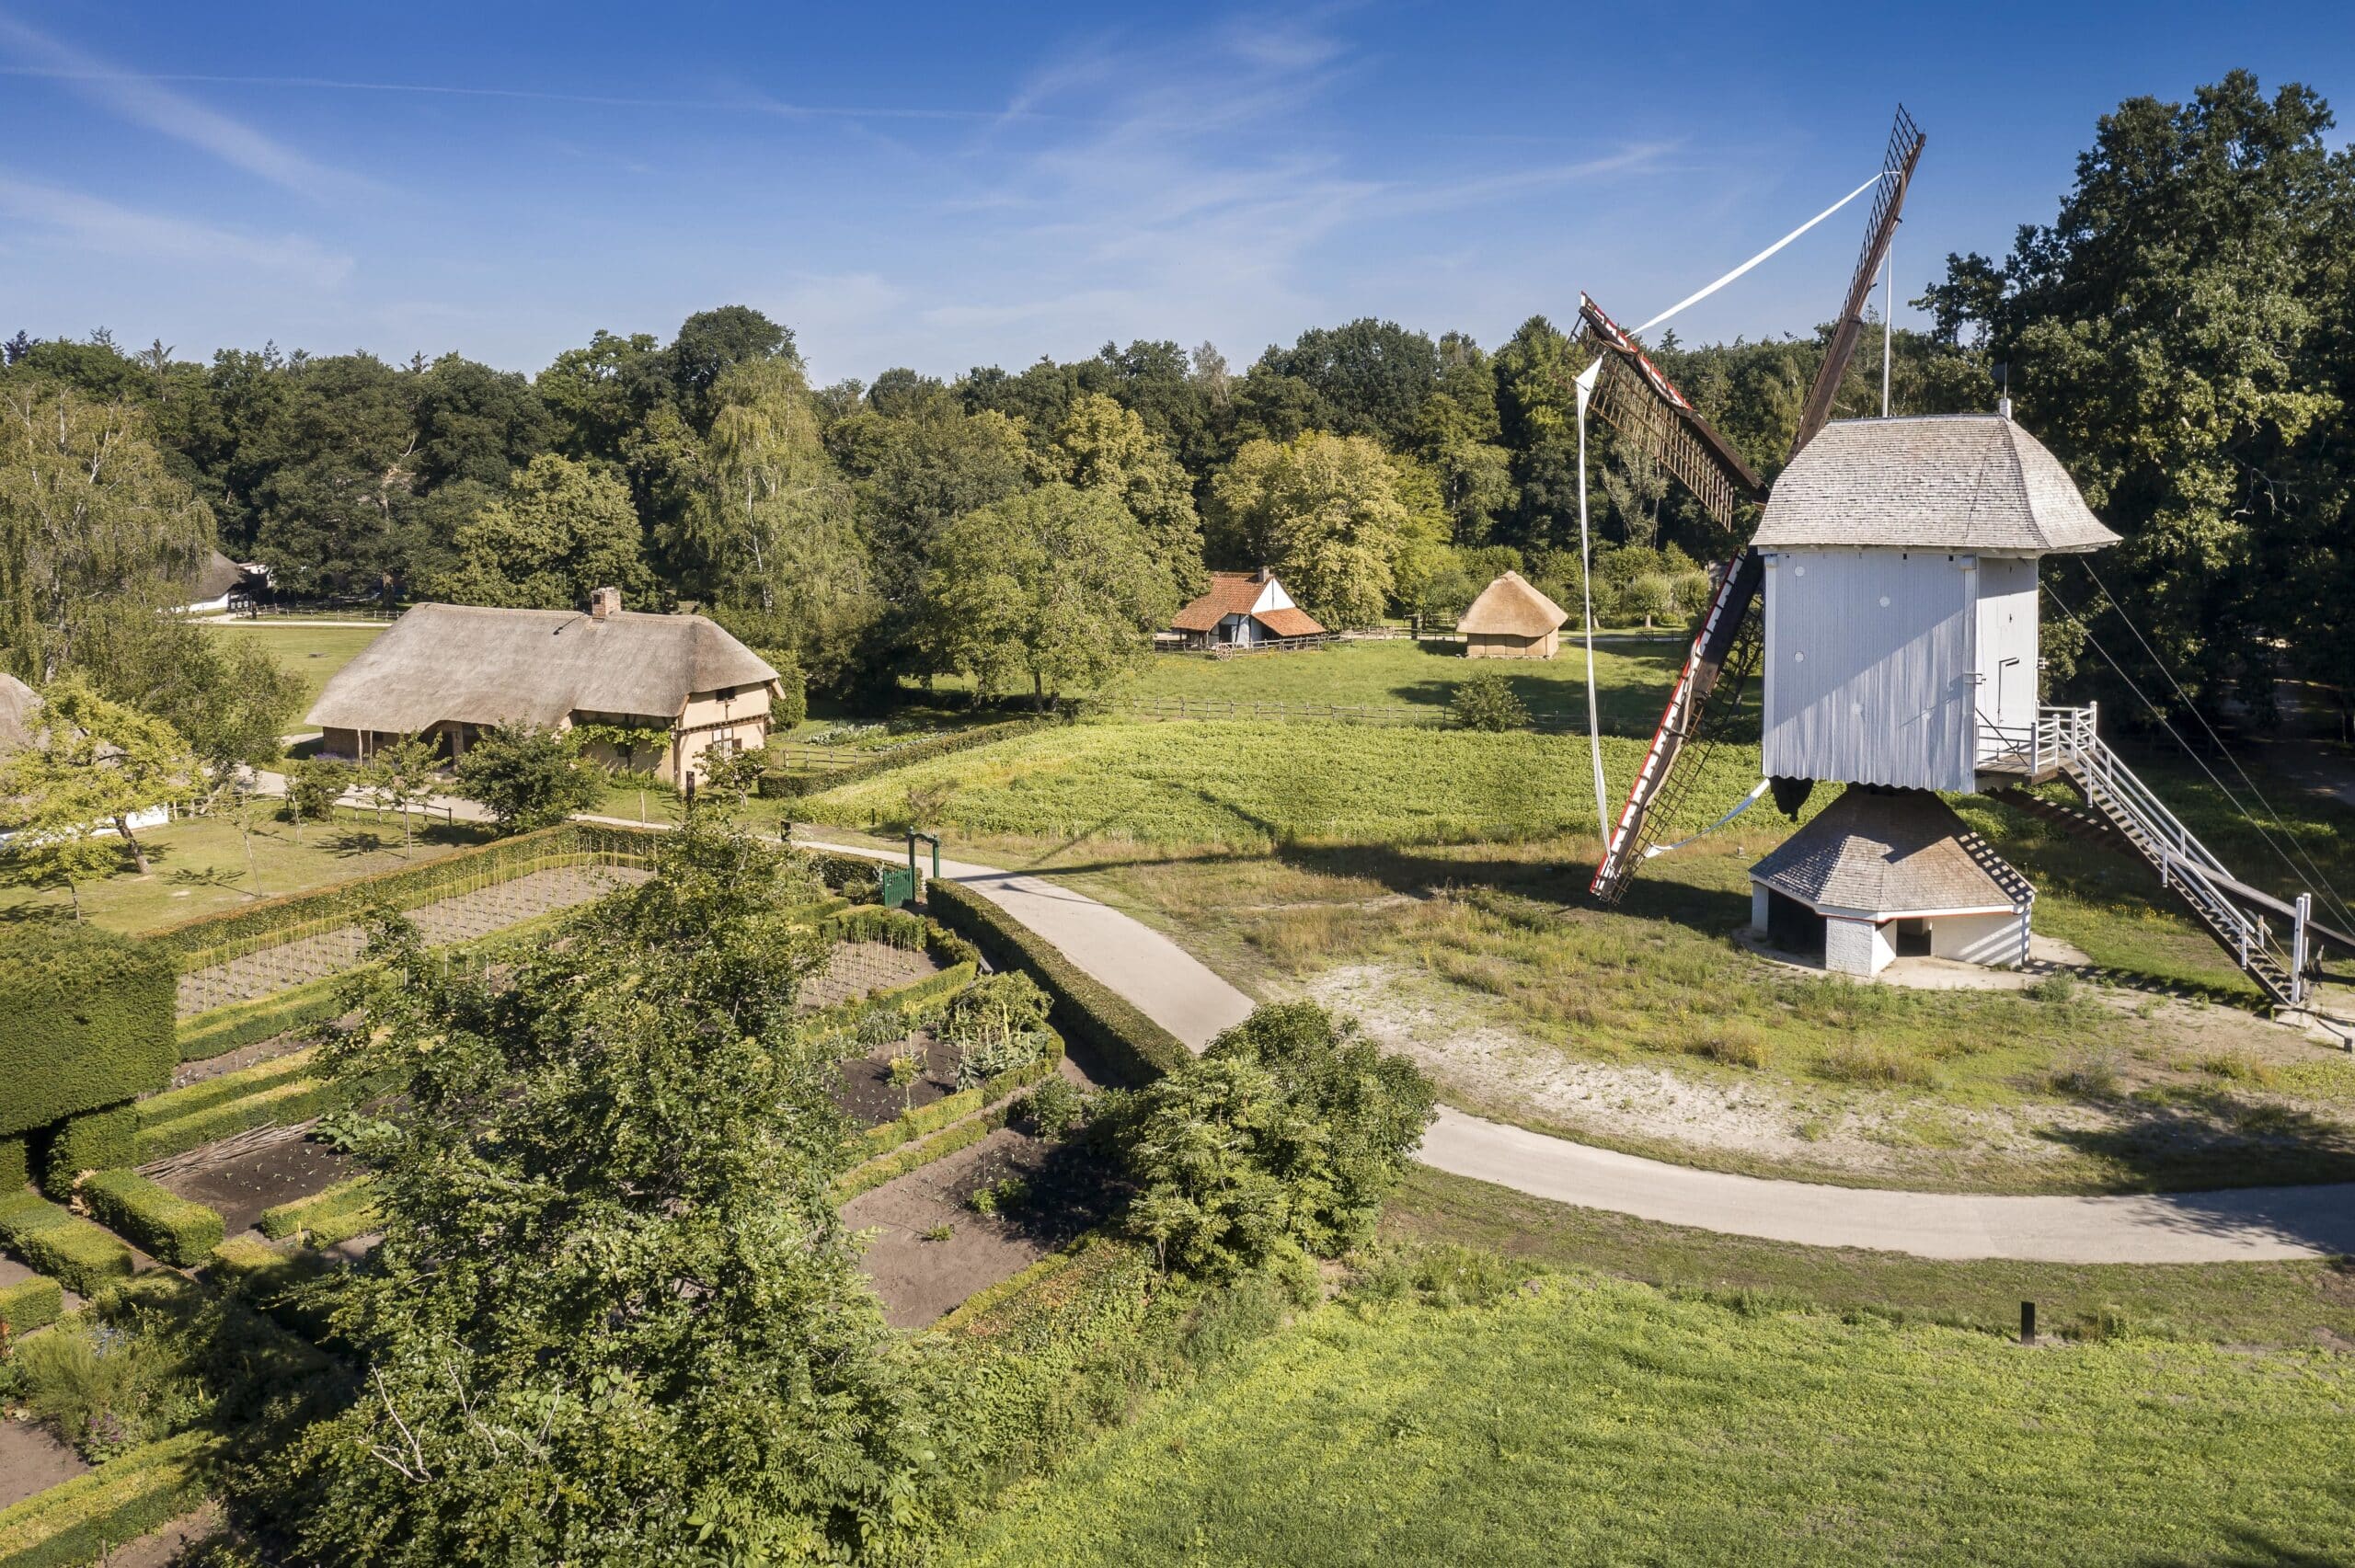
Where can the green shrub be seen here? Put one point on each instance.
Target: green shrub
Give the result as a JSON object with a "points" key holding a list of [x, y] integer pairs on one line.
{"points": [[1054, 1107], [29, 1304], [65, 1246], [1487, 700], [333, 1228], [224, 1029], [96, 1141], [307, 1213], [162, 1224], [291, 1100], [1127, 1043], [240, 1261], [913, 1156], [171, 1105], [15, 1164], [80, 1520], [86, 1020]]}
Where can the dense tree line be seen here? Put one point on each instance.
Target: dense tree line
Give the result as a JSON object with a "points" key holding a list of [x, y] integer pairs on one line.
{"points": [[2179, 334]]}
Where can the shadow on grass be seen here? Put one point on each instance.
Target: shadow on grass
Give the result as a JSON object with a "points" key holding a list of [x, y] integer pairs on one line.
{"points": [[2190, 1138]]}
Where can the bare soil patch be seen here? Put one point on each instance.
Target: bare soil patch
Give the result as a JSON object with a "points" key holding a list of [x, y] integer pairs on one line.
{"points": [[240, 1187], [920, 1279], [31, 1461], [866, 1094]]}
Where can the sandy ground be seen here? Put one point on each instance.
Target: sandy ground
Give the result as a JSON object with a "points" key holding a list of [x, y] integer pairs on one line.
{"points": [[32, 1461], [919, 1279]]}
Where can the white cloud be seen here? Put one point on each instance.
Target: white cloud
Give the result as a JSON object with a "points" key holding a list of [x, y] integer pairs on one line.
{"points": [[145, 101], [102, 226]]}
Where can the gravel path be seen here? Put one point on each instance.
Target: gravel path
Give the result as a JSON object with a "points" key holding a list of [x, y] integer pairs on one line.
{"points": [[1181, 994]]}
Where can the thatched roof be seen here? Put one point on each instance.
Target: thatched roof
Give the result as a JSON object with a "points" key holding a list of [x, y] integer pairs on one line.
{"points": [[536, 667], [1942, 482], [18, 704], [1509, 607], [1890, 852], [216, 578], [1233, 593]]}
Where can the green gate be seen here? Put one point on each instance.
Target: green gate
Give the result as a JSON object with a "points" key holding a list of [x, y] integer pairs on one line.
{"points": [[897, 884]]}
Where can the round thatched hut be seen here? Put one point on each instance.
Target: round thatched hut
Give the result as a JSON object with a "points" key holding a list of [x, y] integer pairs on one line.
{"points": [[1511, 620]]}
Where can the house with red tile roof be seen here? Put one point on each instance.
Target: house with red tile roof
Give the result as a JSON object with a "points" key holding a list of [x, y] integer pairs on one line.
{"points": [[1243, 610]]}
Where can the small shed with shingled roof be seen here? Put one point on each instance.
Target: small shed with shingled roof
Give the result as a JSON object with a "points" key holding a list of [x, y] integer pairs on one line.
{"points": [[1511, 620], [1243, 610], [1883, 873]]}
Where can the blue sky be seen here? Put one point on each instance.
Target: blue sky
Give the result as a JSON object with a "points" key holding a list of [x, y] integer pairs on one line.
{"points": [[944, 187]]}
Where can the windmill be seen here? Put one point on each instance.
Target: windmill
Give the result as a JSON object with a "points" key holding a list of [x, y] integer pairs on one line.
{"points": [[1887, 599]]}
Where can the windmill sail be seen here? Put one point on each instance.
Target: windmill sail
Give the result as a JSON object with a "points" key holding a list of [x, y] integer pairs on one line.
{"points": [[1648, 409]]}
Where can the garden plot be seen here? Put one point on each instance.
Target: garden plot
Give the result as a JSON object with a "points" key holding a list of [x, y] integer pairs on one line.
{"points": [[242, 1183], [862, 968], [465, 917]]}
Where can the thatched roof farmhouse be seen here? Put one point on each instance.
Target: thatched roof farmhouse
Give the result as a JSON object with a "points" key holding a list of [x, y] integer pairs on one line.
{"points": [[1511, 620], [450, 671]]}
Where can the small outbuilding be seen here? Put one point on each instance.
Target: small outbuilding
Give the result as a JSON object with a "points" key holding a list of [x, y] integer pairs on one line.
{"points": [[1511, 620], [1243, 610], [1887, 873], [448, 672]]}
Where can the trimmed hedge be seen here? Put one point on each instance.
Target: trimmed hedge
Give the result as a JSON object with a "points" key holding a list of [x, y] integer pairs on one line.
{"points": [[1086, 1011], [98, 1140], [334, 1229], [174, 1103], [305, 1213], [241, 1261], [86, 1020], [224, 1029], [82, 1519], [779, 784], [161, 1223], [15, 1163], [65, 1246], [293, 1100], [922, 1119], [254, 926], [872, 1173], [31, 1303]]}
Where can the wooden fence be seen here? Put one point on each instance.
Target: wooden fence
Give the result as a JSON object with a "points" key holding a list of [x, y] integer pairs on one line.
{"points": [[1392, 716]]}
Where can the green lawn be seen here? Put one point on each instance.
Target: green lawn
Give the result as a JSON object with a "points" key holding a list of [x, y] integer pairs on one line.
{"points": [[201, 867], [2291, 1304], [1585, 1420], [313, 652]]}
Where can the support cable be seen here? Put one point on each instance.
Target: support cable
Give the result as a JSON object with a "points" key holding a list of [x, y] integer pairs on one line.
{"points": [[1585, 385]]}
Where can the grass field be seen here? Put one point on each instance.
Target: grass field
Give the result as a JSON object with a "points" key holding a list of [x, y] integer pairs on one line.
{"points": [[201, 867], [1585, 1420], [1632, 678], [2287, 1305], [313, 652]]}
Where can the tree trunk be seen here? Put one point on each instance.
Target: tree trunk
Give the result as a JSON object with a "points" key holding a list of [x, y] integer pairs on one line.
{"points": [[138, 851], [1037, 692]]}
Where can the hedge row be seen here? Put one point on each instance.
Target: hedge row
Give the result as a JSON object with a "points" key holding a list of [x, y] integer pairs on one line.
{"points": [[779, 784], [83, 1519], [96, 1141], [224, 1029], [162, 1224], [86, 1020], [257, 925], [15, 1163], [65, 1246], [174, 1103], [304, 1213], [866, 1177], [29, 1304], [922, 1119], [1086, 1011], [291, 1100]]}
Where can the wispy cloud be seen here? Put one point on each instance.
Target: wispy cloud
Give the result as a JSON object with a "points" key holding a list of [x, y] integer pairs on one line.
{"points": [[145, 100], [101, 225]]}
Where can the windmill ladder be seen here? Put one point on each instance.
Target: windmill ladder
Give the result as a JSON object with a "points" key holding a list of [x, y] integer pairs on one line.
{"points": [[2063, 743]]}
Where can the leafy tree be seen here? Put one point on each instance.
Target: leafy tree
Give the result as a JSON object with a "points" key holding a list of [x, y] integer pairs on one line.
{"points": [[1057, 587], [1324, 512], [314, 784], [1102, 446], [916, 475], [95, 761], [598, 395], [615, 1317], [334, 474], [226, 696], [527, 778], [1371, 376], [400, 777], [563, 530], [711, 343], [477, 423], [1289, 1131], [731, 775], [1487, 700], [89, 518]]}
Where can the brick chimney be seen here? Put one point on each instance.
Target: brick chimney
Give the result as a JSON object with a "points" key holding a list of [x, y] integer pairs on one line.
{"points": [[604, 602]]}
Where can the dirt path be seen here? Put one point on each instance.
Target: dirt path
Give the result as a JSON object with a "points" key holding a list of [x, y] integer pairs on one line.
{"points": [[1182, 995]]}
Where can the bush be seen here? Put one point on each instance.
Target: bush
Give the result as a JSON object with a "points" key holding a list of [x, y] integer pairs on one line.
{"points": [[1053, 1108], [308, 1213], [162, 1223], [528, 778], [313, 787], [29, 1304], [1485, 701], [224, 1029], [1084, 1011], [80, 1520], [69, 1249], [86, 1020], [96, 1141], [15, 1164]]}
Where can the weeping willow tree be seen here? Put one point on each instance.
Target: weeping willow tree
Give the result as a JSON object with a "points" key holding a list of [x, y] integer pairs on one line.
{"points": [[91, 522]]}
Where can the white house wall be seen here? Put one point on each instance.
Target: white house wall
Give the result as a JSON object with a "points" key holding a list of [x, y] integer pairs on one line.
{"points": [[1867, 659], [1855, 947], [2007, 642], [1997, 940]]}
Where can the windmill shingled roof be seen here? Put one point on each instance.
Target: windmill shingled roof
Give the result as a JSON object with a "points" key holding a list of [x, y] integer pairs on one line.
{"points": [[1890, 851], [485, 666], [1941, 482], [1509, 607]]}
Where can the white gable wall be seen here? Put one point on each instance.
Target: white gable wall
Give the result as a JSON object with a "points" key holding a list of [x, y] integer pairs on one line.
{"points": [[1272, 597], [1867, 664]]}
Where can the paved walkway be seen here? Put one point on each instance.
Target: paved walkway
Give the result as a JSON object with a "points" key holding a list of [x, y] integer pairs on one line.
{"points": [[1178, 992]]}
